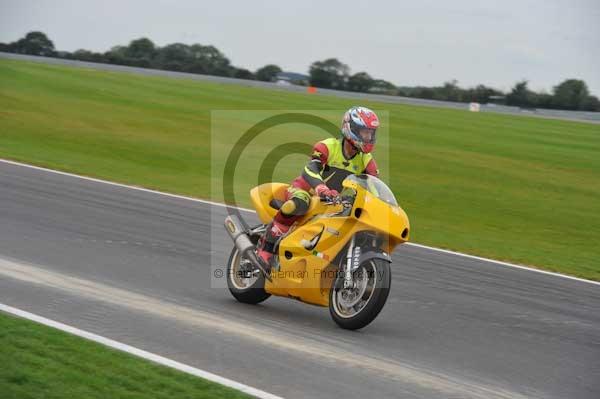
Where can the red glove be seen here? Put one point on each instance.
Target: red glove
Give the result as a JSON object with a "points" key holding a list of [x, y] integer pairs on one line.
{"points": [[325, 192]]}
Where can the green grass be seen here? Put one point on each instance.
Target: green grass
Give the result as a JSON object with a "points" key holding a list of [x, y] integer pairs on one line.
{"points": [[42, 362], [520, 189]]}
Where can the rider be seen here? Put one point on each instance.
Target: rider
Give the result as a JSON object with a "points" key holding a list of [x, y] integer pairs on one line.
{"points": [[332, 161]]}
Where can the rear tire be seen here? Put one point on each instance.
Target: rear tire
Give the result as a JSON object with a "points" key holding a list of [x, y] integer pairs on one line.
{"points": [[369, 301], [246, 290]]}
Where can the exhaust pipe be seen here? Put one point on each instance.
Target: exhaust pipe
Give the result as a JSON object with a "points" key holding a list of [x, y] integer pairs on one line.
{"points": [[243, 243]]}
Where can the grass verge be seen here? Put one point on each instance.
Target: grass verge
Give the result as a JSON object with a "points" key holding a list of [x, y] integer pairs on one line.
{"points": [[518, 189], [42, 362]]}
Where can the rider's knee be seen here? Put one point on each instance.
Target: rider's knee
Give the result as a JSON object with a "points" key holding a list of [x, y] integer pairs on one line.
{"points": [[294, 207], [288, 208]]}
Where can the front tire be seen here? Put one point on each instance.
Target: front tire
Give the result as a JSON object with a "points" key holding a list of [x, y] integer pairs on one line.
{"points": [[245, 283], [358, 306]]}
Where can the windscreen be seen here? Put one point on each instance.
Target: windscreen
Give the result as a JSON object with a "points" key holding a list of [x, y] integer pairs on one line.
{"points": [[375, 186]]}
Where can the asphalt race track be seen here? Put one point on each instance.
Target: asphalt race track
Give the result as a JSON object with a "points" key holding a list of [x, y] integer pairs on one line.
{"points": [[136, 267]]}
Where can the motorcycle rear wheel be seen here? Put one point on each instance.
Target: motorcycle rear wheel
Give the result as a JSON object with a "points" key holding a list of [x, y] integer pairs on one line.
{"points": [[356, 307], [245, 284]]}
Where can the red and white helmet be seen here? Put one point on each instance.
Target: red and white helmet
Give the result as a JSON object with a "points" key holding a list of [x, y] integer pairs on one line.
{"points": [[359, 126]]}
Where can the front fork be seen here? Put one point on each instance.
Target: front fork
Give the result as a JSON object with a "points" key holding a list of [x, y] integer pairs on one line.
{"points": [[352, 263]]}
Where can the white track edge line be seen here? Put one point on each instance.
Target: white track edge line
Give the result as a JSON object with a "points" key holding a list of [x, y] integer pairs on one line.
{"points": [[139, 353], [501, 263], [219, 204]]}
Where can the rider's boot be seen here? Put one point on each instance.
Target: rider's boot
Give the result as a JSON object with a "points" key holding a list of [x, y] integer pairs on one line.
{"points": [[266, 246]]}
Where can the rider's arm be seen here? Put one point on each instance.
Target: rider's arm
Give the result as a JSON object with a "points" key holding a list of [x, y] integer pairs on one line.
{"points": [[312, 170], [372, 169]]}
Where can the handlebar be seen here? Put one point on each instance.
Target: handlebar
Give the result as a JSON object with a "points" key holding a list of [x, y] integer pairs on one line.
{"points": [[336, 201]]}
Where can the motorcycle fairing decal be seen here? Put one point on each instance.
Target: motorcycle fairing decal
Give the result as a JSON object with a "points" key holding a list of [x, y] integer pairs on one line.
{"points": [[320, 255], [312, 243], [333, 231]]}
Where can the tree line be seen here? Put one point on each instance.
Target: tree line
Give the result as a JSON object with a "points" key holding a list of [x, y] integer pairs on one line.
{"points": [[571, 94], [195, 58]]}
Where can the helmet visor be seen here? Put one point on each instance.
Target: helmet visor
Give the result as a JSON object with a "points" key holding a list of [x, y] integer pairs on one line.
{"points": [[367, 135]]}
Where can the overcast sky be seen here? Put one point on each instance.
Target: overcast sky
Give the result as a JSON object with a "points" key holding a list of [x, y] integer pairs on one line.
{"points": [[406, 42]]}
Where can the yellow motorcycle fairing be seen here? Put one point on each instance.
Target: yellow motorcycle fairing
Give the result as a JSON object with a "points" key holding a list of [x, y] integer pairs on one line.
{"points": [[306, 271]]}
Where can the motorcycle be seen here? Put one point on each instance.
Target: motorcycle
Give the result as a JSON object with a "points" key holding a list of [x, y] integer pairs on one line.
{"points": [[337, 255]]}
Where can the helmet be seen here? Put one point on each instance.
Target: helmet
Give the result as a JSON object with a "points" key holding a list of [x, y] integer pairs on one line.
{"points": [[359, 126]]}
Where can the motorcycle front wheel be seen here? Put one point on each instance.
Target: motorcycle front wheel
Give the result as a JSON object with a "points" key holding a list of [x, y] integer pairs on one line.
{"points": [[357, 306]]}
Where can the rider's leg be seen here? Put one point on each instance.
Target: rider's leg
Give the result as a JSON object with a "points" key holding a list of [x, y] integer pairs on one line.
{"points": [[295, 206]]}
